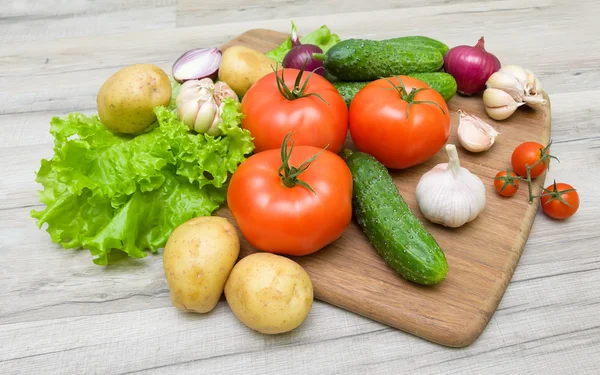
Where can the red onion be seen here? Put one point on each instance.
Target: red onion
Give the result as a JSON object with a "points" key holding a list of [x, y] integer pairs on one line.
{"points": [[471, 67], [300, 54], [197, 63]]}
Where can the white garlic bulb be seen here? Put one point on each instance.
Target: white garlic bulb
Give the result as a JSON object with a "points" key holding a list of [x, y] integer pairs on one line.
{"points": [[449, 194], [200, 104], [474, 134]]}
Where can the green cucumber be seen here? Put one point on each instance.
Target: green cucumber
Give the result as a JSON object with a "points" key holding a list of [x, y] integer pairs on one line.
{"points": [[420, 41], [441, 82], [349, 89], [395, 232], [366, 60]]}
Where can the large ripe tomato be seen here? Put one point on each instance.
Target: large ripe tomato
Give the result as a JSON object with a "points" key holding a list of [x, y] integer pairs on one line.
{"points": [[398, 126], [282, 215], [318, 114], [560, 201], [533, 154]]}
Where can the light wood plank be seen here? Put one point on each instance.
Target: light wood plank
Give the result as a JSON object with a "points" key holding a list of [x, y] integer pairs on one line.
{"points": [[34, 21]]}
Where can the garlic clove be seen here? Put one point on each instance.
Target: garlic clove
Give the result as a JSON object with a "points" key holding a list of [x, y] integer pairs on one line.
{"points": [[506, 82], [222, 91], [537, 87], [206, 115], [529, 88], [474, 134], [499, 105], [187, 111], [535, 101], [516, 71], [214, 130]]}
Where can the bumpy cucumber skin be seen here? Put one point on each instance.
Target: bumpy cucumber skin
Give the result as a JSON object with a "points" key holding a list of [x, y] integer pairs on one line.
{"points": [[397, 235], [349, 89], [366, 60], [441, 82], [422, 41]]}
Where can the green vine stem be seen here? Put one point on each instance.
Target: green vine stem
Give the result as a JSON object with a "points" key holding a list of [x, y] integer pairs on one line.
{"points": [[544, 158], [298, 91], [409, 97], [290, 175]]}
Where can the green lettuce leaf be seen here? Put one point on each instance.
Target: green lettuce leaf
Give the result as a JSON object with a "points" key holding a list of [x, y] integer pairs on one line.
{"points": [[321, 37], [106, 192]]}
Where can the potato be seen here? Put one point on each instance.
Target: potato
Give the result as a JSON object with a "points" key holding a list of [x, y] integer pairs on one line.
{"points": [[242, 66], [197, 260], [269, 293], [127, 98]]}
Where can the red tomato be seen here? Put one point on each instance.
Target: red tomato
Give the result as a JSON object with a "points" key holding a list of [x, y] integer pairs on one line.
{"points": [[399, 134], [560, 201], [291, 220], [530, 153], [506, 183], [316, 120]]}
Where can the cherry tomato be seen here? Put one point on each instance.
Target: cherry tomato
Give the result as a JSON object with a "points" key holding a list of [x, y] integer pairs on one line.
{"points": [[317, 113], [560, 200], [506, 183], [533, 154], [401, 121], [295, 212]]}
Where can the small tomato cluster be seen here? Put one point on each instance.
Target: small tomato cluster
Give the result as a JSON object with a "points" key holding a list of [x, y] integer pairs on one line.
{"points": [[529, 160]]}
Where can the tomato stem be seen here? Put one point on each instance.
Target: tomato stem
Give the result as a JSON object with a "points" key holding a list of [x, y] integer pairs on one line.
{"points": [[409, 97], [290, 175], [555, 194], [508, 179], [298, 91], [544, 158]]}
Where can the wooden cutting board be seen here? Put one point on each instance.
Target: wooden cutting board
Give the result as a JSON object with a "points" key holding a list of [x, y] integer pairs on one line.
{"points": [[482, 255]]}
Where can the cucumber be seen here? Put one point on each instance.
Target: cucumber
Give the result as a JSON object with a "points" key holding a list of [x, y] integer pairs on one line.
{"points": [[349, 89], [420, 41], [395, 232], [366, 60], [441, 82]]}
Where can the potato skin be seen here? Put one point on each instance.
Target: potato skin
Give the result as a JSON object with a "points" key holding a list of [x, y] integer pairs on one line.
{"points": [[269, 293], [127, 98], [242, 66], [197, 260]]}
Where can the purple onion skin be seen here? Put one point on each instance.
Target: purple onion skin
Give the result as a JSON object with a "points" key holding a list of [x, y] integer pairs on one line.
{"points": [[296, 57], [471, 66]]}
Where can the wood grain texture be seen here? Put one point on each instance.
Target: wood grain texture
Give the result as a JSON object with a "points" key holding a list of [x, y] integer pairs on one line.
{"points": [[60, 314], [482, 255]]}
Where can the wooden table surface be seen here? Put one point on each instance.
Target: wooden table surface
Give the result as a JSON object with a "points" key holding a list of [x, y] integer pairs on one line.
{"points": [[61, 314]]}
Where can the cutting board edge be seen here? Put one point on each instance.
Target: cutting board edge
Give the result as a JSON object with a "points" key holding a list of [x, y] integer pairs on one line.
{"points": [[470, 333]]}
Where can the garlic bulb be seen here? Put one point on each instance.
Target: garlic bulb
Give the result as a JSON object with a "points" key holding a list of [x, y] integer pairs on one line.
{"points": [[200, 104], [449, 194], [474, 134], [520, 84]]}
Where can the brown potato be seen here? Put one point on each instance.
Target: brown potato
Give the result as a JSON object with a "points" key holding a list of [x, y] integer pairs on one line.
{"points": [[241, 67], [197, 260], [269, 293], [127, 99]]}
